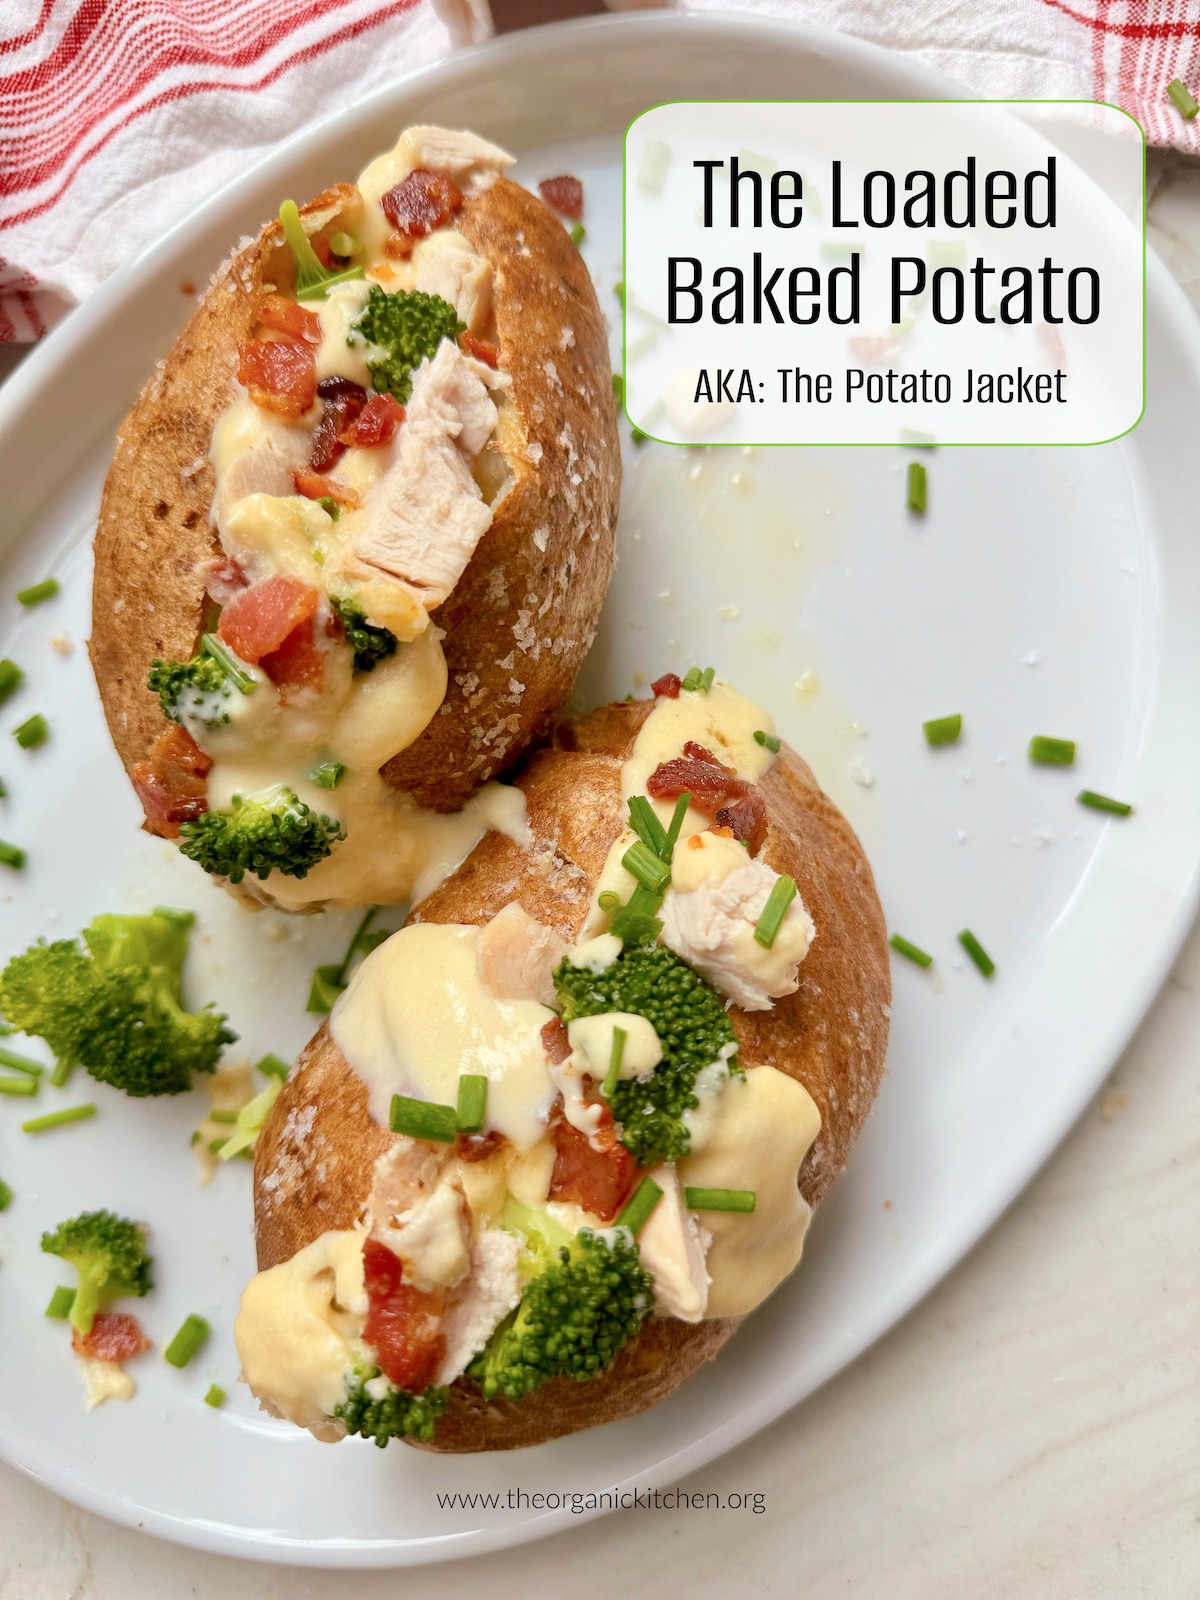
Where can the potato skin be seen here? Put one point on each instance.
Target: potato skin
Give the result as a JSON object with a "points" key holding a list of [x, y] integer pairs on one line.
{"points": [[531, 595], [831, 1036]]}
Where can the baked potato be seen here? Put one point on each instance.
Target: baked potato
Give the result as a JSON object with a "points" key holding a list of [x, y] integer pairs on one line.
{"points": [[514, 969], [357, 531]]}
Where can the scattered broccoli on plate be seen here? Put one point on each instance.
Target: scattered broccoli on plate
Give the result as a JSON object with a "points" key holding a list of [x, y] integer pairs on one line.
{"points": [[408, 326], [109, 1253], [115, 1004], [587, 1295], [370, 644], [261, 834], [692, 1025], [377, 1410]]}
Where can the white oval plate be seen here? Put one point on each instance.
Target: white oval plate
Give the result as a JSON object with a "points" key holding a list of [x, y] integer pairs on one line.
{"points": [[1054, 592]]}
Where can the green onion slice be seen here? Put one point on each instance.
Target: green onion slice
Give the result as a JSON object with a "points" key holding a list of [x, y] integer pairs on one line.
{"points": [[423, 1119], [976, 952], [613, 1076], [1051, 752], [58, 1119], [61, 1302], [10, 678], [643, 819], [37, 592], [1103, 802], [328, 774], [11, 855], [472, 1102], [918, 488], [676, 823], [719, 1199], [32, 732], [215, 1396], [1183, 99], [636, 1211], [6, 1195], [272, 1066], [905, 947], [187, 1341], [26, 1064], [650, 870], [769, 741], [782, 894], [943, 730], [18, 1086]]}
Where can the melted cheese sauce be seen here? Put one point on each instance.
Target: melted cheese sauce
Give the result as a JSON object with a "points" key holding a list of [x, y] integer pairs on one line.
{"points": [[104, 1380], [417, 1015], [297, 1329], [761, 1134]]}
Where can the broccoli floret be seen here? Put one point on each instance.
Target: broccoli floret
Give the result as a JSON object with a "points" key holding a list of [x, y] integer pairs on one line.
{"points": [[115, 1003], [198, 689], [109, 1253], [692, 1026], [395, 1415], [409, 326], [587, 1296], [264, 833], [369, 643]]}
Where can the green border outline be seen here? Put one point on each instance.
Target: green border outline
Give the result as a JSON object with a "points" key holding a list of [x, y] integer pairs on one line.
{"points": [[897, 444]]}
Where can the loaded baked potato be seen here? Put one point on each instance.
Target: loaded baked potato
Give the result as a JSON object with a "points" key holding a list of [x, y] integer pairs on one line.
{"points": [[358, 530], [566, 1128]]}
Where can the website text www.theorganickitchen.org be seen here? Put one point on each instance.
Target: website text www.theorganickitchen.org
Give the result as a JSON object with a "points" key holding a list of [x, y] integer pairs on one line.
{"points": [[581, 1501]]}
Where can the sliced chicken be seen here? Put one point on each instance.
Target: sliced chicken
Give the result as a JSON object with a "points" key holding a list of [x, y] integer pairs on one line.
{"points": [[259, 457], [446, 265], [487, 1295], [673, 1246], [516, 955], [457, 152], [425, 514], [710, 914]]}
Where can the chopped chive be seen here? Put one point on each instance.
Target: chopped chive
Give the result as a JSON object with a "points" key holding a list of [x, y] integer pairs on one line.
{"points": [[345, 244], [37, 592], [233, 668], [10, 1058], [11, 855], [643, 819], [61, 1302], [700, 1199], [472, 1101], [691, 680], [613, 1076], [1184, 101], [608, 899], [273, 1067], [329, 774], [216, 1395], [905, 947], [10, 678], [635, 927], [635, 1213], [325, 988], [618, 383], [578, 234], [423, 1119], [1103, 802], [6, 1196], [32, 732], [706, 679], [918, 489], [976, 952], [176, 914], [58, 1119], [18, 1086], [215, 1146], [222, 1116], [650, 870], [780, 898], [769, 741], [194, 1331], [333, 510], [943, 730], [3, 790], [63, 1068], [676, 823], [1051, 752]]}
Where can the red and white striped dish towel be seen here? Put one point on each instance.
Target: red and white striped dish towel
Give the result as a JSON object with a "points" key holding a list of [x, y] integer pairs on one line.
{"points": [[117, 116]]}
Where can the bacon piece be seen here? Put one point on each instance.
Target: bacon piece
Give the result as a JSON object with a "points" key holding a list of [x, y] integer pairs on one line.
{"points": [[480, 349], [298, 663], [315, 487], [223, 578], [375, 423], [421, 202], [115, 1336], [699, 752], [746, 819], [565, 194], [477, 1146], [597, 1180], [710, 785], [342, 400], [282, 315], [668, 686], [170, 783], [258, 620], [555, 1042], [281, 374], [403, 1324]]}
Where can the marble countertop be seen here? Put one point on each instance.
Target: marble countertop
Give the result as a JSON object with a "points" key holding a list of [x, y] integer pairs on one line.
{"points": [[1028, 1433]]}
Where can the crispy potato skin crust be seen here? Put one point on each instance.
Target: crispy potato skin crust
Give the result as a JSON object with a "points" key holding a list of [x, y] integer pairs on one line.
{"points": [[533, 607], [831, 1036]]}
